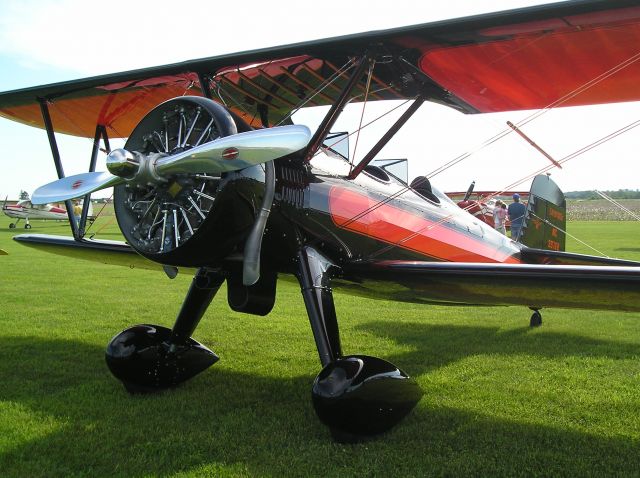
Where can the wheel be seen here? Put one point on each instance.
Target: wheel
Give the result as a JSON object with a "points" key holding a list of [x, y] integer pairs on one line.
{"points": [[27, 226], [162, 221], [142, 360], [12, 226], [360, 396], [536, 319]]}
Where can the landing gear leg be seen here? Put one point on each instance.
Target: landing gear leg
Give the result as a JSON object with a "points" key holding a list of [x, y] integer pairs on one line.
{"points": [[356, 396], [150, 358], [536, 318], [27, 225]]}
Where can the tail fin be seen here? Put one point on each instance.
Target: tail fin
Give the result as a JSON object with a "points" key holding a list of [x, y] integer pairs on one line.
{"points": [[546, 218]]}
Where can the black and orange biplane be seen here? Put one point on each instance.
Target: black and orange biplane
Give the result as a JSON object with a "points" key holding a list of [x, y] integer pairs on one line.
{"points": [[214, 176]]}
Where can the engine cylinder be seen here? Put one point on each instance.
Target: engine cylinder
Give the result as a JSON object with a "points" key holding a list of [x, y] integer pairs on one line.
{"points": [[187, 219]]}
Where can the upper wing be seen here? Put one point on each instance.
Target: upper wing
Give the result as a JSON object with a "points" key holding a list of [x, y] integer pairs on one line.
{"points": [[570, 53]]}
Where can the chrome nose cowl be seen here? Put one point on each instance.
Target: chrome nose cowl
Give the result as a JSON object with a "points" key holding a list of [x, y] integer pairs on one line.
{"points": [[122, 163]]}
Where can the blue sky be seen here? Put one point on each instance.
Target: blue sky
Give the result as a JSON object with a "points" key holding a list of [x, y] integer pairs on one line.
{"points": [[44, 41]]}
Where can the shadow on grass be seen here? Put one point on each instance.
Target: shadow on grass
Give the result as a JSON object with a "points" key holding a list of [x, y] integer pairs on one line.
{"points": [[439, 345], [225, 422]]}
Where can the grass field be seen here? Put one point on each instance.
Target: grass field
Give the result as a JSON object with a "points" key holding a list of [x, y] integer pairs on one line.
{"points": [[501, 399]]}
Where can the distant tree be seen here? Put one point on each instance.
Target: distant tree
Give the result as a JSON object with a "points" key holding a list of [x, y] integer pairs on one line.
{"points": [[619, 194], [23, 195]]}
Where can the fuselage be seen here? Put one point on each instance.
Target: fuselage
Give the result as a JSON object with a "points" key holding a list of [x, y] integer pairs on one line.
{"points": [[377, 217], [398, 243]]}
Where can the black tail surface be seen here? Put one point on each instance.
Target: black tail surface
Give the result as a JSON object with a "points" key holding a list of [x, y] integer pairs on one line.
{"points": [[546, 217]]}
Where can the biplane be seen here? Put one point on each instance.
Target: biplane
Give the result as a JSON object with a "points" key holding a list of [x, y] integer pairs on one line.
{"points": [[214, 176]]}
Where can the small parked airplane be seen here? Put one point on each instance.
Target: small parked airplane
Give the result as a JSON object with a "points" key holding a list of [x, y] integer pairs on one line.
{"points": [[25, 209]]}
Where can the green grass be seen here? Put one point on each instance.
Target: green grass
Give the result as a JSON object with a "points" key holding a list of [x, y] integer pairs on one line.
{"points": [[500, 398]]}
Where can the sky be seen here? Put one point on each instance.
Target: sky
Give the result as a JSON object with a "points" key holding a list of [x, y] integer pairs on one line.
{"points": [[44, 41]]}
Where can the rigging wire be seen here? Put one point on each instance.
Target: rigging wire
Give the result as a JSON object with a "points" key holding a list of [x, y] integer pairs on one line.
{"points": [[110, 221], [570, 235], [569, 157], [364, 104], [345, 137], [319, 89], [580, 89], [618, 205], [573, 155]]}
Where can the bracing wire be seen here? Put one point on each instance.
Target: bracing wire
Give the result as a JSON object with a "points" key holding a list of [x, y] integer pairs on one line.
{"points": [[364, 104], [580, 89], [618, 205], [570, 235], [573, 155]]}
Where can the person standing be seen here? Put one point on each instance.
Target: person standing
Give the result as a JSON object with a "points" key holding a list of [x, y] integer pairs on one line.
{"points": [[500, 217], [517, 212], [77, 210]]}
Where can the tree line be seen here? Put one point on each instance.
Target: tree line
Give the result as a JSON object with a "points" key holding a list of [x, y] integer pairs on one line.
{"points": [[619, 194]]}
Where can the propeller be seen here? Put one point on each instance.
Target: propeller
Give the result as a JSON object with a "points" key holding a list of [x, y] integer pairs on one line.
{"points": [[230, 153], [74, 186], [253, 246], [469, 191]]}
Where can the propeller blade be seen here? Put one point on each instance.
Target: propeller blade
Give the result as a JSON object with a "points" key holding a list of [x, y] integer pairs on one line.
{"points": [[237, 151], [253, 246], [74, 186], [469, 191], [230, 153]]}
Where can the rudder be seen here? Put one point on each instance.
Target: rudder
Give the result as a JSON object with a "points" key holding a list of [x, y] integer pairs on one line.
{"points": [[546, 217]]}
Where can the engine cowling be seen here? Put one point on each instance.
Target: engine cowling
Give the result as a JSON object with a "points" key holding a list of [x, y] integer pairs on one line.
{"points": [[187, 219]]}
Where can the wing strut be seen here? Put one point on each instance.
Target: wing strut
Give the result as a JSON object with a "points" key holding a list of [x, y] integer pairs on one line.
{"points": [[335, 110], [46, 117], [387, 137], [101, 132], [204, 85]]}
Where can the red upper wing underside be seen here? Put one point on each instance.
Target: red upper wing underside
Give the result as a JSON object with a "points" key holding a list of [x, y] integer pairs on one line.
{"points": [[569, 67], [568, 54], [279, 85], [118, 111]]}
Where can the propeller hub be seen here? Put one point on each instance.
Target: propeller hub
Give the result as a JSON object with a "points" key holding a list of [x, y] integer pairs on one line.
{"points": [[123, 163]]}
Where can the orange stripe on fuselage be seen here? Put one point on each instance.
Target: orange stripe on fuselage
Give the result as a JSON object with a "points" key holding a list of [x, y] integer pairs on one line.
{"points": [[409, 231]]}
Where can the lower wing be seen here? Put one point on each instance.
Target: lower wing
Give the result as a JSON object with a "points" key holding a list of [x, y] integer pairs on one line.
{"points": [[600, 284], [104, 251], [612, 287]]}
